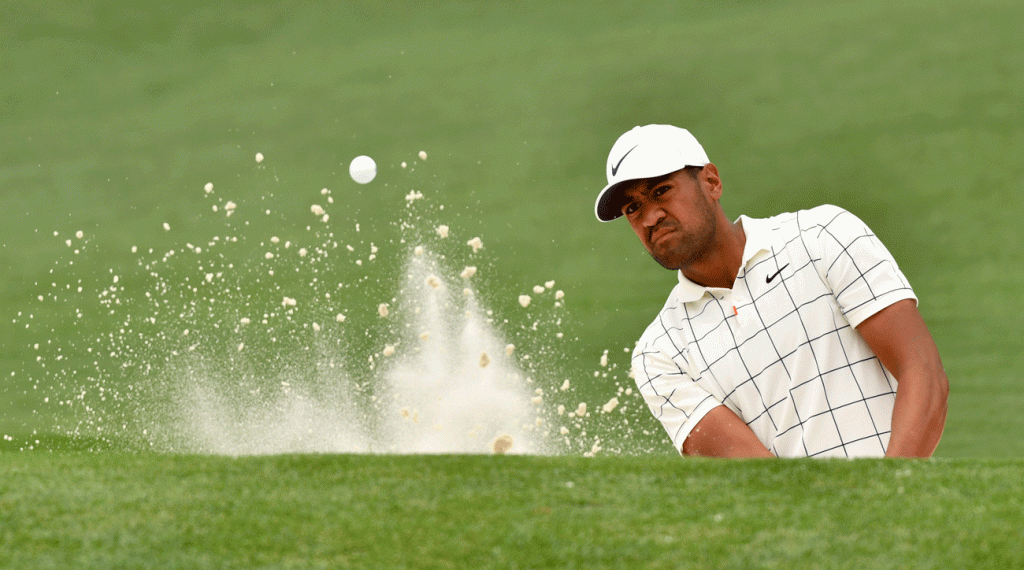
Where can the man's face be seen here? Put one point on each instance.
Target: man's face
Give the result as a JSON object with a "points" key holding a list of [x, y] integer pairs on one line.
{"points": [[673, 217]]}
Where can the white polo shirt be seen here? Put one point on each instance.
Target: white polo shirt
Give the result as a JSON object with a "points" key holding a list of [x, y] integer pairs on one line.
{"points": [[780, 348]]}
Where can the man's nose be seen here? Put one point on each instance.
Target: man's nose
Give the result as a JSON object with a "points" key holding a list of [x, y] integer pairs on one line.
{"points": [[653, 214]]}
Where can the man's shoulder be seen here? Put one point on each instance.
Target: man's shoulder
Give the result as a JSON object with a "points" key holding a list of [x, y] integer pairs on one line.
{"points": [[823, 215], [811, 224], [803, 220]]}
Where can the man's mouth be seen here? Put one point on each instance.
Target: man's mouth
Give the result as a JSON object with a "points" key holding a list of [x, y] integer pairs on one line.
{"points": [[658, 232]]}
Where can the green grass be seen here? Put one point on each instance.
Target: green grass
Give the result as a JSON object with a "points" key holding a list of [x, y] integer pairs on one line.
{"points": [[115, 114], [162, 511]]}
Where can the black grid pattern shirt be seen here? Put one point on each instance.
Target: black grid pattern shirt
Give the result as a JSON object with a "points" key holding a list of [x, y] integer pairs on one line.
{"points": [[780, 348]]}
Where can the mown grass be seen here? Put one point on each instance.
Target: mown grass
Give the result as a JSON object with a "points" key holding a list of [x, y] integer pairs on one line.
{"points": [[164, 511], [115, 114]]}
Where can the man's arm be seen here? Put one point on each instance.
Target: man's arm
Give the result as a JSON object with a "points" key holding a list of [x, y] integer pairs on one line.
{"points": [[900, 339], [721, 433]]}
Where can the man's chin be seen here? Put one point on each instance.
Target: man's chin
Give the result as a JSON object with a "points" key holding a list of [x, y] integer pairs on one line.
{"points": [[666, 261], [676, 258]]}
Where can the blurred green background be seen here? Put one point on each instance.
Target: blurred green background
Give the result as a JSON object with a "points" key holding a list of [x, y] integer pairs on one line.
{"points": [[115, 114]]}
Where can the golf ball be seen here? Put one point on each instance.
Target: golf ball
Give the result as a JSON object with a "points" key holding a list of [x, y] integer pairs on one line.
{"points": [[362, 169]]}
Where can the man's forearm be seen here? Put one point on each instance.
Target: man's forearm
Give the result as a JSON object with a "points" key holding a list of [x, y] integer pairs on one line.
{"points": [[900, 339], [721, 433], [919, 413]]}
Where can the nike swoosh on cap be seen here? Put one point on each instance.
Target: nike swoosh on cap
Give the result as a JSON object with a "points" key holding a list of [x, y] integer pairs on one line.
{"points": [[615, 168]]}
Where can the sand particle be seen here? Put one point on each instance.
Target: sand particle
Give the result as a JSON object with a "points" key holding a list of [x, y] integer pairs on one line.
{"points": [[502, 444]]}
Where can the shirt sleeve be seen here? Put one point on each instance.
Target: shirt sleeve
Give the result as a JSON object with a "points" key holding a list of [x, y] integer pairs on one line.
{"points": [[855, 264], [665, 377]]}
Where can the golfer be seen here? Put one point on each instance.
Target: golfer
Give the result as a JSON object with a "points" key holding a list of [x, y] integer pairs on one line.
{"points": [[790, 336]]}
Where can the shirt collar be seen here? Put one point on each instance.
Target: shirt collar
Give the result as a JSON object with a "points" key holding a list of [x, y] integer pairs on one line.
{"points": [[759, 237]]}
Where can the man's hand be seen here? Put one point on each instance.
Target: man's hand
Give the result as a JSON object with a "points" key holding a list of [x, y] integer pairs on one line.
{"points": [[900, 339], [721, 433]]}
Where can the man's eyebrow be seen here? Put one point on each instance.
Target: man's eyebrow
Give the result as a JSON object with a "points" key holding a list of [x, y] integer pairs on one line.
{"points": [[644, 186]]}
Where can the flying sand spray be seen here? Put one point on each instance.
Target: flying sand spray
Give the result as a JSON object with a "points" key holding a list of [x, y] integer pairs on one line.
{"points": [[301, 349]]}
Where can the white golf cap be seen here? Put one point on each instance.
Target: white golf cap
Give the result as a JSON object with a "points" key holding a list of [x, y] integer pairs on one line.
{"points": [[645, 152]]}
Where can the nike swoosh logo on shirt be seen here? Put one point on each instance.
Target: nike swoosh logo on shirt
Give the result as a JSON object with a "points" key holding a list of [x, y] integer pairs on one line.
{"points": [[777, 273], [616, 167]]}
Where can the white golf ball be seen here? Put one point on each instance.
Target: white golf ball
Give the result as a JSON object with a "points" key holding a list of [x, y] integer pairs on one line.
{"points": [[363, 169]]}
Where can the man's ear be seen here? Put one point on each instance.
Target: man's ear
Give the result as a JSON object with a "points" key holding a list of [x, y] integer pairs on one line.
{"points": [[710, 180]]}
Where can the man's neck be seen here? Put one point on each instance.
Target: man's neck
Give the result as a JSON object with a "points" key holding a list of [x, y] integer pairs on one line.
{"points": [[722, 264]]}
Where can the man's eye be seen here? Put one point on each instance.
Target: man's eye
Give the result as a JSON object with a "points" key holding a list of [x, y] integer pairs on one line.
{"points": [[630, 208], [660, 190]]}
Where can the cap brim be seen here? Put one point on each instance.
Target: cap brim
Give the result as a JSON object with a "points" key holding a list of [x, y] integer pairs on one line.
{"points": [[609, 202]]}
